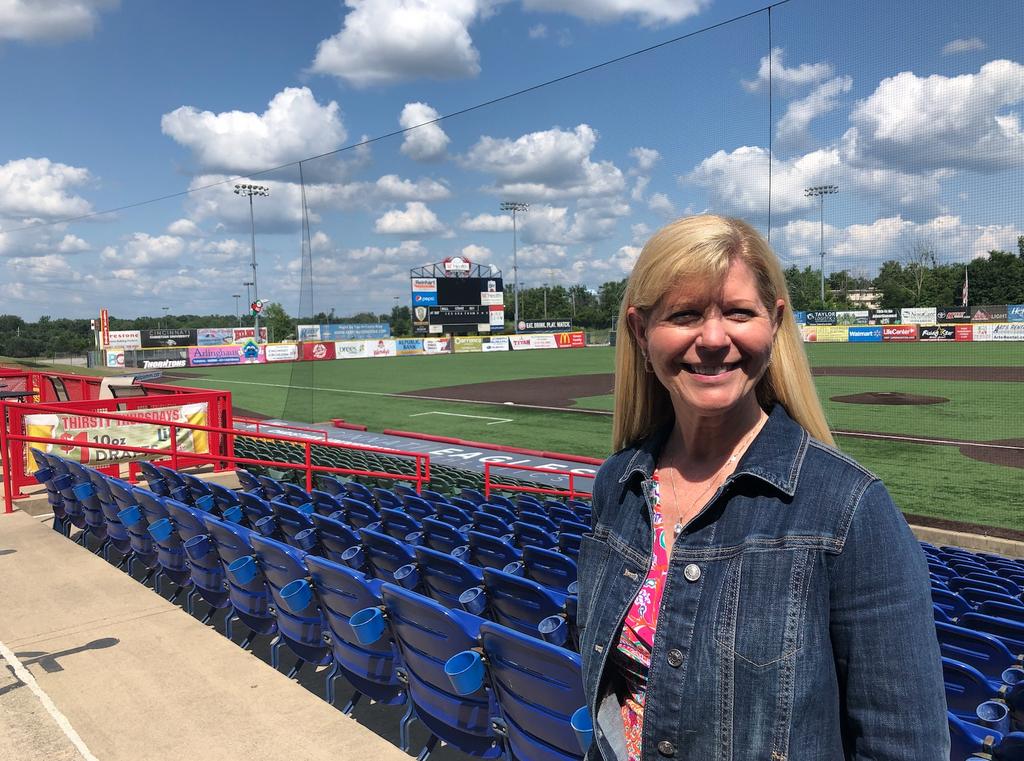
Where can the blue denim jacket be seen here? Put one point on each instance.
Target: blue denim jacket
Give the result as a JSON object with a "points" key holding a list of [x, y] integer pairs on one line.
{"points": [[796, 621]]}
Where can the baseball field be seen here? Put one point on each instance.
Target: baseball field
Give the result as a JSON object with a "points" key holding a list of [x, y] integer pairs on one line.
{"points": [[940, 423]]}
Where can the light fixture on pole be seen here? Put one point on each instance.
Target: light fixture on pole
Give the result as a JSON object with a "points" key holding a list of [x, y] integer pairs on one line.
{"points": [[249, 189], [248, 295], [819, 192], [515, 207], [236, 297]]}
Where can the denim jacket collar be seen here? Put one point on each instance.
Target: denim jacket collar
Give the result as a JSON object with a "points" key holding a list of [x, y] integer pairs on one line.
{"points": [[774, 457]]}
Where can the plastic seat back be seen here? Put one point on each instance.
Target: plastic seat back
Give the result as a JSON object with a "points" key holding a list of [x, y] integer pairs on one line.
{"points": [[254, 507], [487, 523], [170, 548], [291, 520], [272, 488], [427, 635], [398, 524], [342, 592], [154, 478], [952, 604], [358, 491], [959, 583], [538, 519], [385, 554], [538, 687], [489, 552], [335, 536], [223, 496], [294, 495], [1009, 587], [250, 598], [324, 502], [418, 507], [250, 483], [454, 516], [472, 495], [1010, 633], [444, 577], [978, 597], [550, 568], [384, 498], [301, 630], [441, 536], [360, 514], [999, 609], [530, 535], [520, 603], [204, 564], [983, 651], [569, 544], [966, 687]]}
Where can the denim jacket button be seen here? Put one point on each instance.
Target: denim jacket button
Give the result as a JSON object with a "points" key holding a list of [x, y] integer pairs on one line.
{"points": [[675, 658], [666, 748], [692, 572]]}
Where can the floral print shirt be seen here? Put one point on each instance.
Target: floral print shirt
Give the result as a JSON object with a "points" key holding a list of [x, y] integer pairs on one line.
{"points": [[633, 654]]}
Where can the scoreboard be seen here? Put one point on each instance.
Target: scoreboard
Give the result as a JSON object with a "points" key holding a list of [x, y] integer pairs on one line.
{"points": [[457, 305]]}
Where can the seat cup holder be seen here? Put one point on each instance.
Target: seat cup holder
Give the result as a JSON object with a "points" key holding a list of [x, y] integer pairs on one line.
{"points": [[161, 529], [130, 516], [583, 726], [465, 671], [554, 629], [297, 596], [43, 475], [306, 539], [368, 625], [515, 568], [198, 547], [83, 490], [408, 576], [267, 525], [232, 514], [474, 600], [243, 570], [994, 714], [354, 557]]}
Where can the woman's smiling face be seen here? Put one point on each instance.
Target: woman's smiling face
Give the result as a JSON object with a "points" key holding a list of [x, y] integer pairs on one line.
{"points": [[709, 347]]}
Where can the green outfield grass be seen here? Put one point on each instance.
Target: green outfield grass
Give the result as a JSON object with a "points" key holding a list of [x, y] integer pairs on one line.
{"points": [[928, 480]]}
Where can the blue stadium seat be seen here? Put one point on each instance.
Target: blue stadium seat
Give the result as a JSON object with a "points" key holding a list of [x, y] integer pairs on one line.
{"points": [[118, 538], [249, 482], [291, 520], [418, 507], [488, 552], [359, 514], [294, 495], [951, 603], [205, 568], [538, 688], [358, 491], [967, 738], [325, 503], [1000, 609], [549, 568], [441, 536], [398, 524], [528, 534], [299, 627], [444, 577], [170, 549], [1010, 633], [967, 688], [154, 478], [330, 485], [84, 494], [335, 536], [370, 669], [132, 516], [427, 635], [520, 603], [385, 554], [983, 651], [384, 498]]}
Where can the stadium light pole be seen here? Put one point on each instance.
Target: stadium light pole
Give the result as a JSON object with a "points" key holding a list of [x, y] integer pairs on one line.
{"points": [[515, 207], [819, 192], [162, 322], [249, 189], [236, 297]]}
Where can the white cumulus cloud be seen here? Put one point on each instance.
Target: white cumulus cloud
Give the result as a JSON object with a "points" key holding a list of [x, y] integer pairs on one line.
{"points": [[488, 223], [142, 250], [963, 45], [385, 41], [294, 126], [424, 143], [184, 227], [416, 220], [547, 165], [34, 187], [963, 122], [52, 20], [647, 12], [792, 129], [785, 79]]}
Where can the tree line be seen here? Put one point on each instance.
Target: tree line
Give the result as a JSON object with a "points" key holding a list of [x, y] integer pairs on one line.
{"points": [[913, 279]]}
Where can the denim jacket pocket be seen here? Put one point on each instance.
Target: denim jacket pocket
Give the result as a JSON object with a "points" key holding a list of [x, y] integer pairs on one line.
{"points": [[591, 565], [761, 606]]}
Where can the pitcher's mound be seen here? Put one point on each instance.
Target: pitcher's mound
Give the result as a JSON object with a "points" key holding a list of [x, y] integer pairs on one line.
{"points": [[889, 397]]}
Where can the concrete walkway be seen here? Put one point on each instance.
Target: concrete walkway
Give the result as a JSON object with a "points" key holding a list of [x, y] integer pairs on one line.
{"points": [[95, 665]]}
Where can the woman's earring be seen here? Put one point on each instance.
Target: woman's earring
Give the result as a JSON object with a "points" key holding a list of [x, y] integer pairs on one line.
{"points": [[648, 367]]}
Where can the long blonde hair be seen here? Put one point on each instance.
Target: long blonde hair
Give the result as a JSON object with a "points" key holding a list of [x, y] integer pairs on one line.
{"points": [[701, 249]]}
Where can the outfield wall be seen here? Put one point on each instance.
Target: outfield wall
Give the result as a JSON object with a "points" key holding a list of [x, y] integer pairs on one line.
{"points": [[251, 353], [1005, 331]]}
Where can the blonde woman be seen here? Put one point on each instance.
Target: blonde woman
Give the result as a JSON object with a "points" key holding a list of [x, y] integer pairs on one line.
{"points": [[747, 592]]}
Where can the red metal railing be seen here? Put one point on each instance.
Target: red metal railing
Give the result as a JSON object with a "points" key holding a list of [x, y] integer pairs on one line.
{"points": [[490, 485], [12, 448], [257, 424]]}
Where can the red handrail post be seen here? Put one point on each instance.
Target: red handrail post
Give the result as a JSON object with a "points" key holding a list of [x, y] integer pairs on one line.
{"points": [[309, 466], [174, 445], [487, 480], [5, 461]]}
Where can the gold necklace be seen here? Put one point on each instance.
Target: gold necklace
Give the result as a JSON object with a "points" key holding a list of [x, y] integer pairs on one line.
{"points": [[678, 528]]}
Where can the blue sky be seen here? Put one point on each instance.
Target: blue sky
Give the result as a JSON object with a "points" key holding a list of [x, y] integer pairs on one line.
{"points": [[913, 108]]}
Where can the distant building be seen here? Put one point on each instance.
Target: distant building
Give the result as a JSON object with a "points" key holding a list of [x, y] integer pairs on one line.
{"points": [[865, 298]]}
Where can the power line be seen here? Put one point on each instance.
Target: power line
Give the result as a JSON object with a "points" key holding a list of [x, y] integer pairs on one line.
{"points": [[395, 133]]}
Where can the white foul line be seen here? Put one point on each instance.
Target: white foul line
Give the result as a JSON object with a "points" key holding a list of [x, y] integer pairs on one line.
{"points": [[23, 675], [497, 420]]}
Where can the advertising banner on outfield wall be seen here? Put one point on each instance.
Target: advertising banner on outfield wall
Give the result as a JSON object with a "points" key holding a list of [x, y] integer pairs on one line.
{"points": [[437, 345], [125, 339], [495, 343], [1015, 312], [1007, 331], [227, 336], [899, 332], [859, 334], [832, 333], [990, 313], [826, 317], [964, 332], [465, 344], [948, 315], [800, 316], [574, 340], [383, 347], [534, 341], [541, 326], [407, 347], [115, 357], [853, 317], [317, 350], [918, 315], [883, 317], [937, 333], [77, 429], [247, 354], [157, 338], [281, 352]]}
